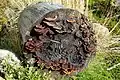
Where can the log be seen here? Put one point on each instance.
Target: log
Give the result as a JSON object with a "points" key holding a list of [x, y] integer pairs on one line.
{"points": [[32, 13], [61, 38]]}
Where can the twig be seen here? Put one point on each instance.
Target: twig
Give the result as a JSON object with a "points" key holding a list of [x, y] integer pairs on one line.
{"points": [[115, 26], [113, 66]]}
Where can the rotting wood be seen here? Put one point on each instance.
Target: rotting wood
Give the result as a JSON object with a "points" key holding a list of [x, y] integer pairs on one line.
{"points": [[62, 39]]}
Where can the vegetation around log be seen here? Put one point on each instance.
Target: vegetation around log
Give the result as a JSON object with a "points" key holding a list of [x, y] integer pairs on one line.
{"points": [[105, 13]]}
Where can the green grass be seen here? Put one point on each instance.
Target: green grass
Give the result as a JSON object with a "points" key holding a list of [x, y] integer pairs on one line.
{"points": [[96, 70], [111, 60], [11, 41]]}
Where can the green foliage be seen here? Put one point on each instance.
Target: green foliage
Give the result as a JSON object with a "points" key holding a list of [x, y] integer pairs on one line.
{"points": [[106, 13], [111, 60], [10, 40], [9, 34], [13, 71], [96, 70]]}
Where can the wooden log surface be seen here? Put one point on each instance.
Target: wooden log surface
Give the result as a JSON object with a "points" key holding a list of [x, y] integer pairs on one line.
{"points": [[32, 13], [61, 38]]}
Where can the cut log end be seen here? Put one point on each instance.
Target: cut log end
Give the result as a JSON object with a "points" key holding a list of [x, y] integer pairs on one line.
{"points": [[62, 43]]}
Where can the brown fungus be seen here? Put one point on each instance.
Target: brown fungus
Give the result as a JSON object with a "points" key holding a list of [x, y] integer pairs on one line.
{"points": [[33, 45], [65, 45]]}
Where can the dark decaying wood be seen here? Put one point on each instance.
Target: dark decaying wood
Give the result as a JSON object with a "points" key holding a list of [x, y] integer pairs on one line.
{"points": [[62, 39]]}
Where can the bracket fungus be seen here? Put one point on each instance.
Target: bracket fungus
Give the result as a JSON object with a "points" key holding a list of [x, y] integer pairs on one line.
{"points": [[62, 38]]}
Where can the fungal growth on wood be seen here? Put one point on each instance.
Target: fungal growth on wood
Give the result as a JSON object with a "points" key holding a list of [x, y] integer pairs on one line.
{"points": [[62, 40]]}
